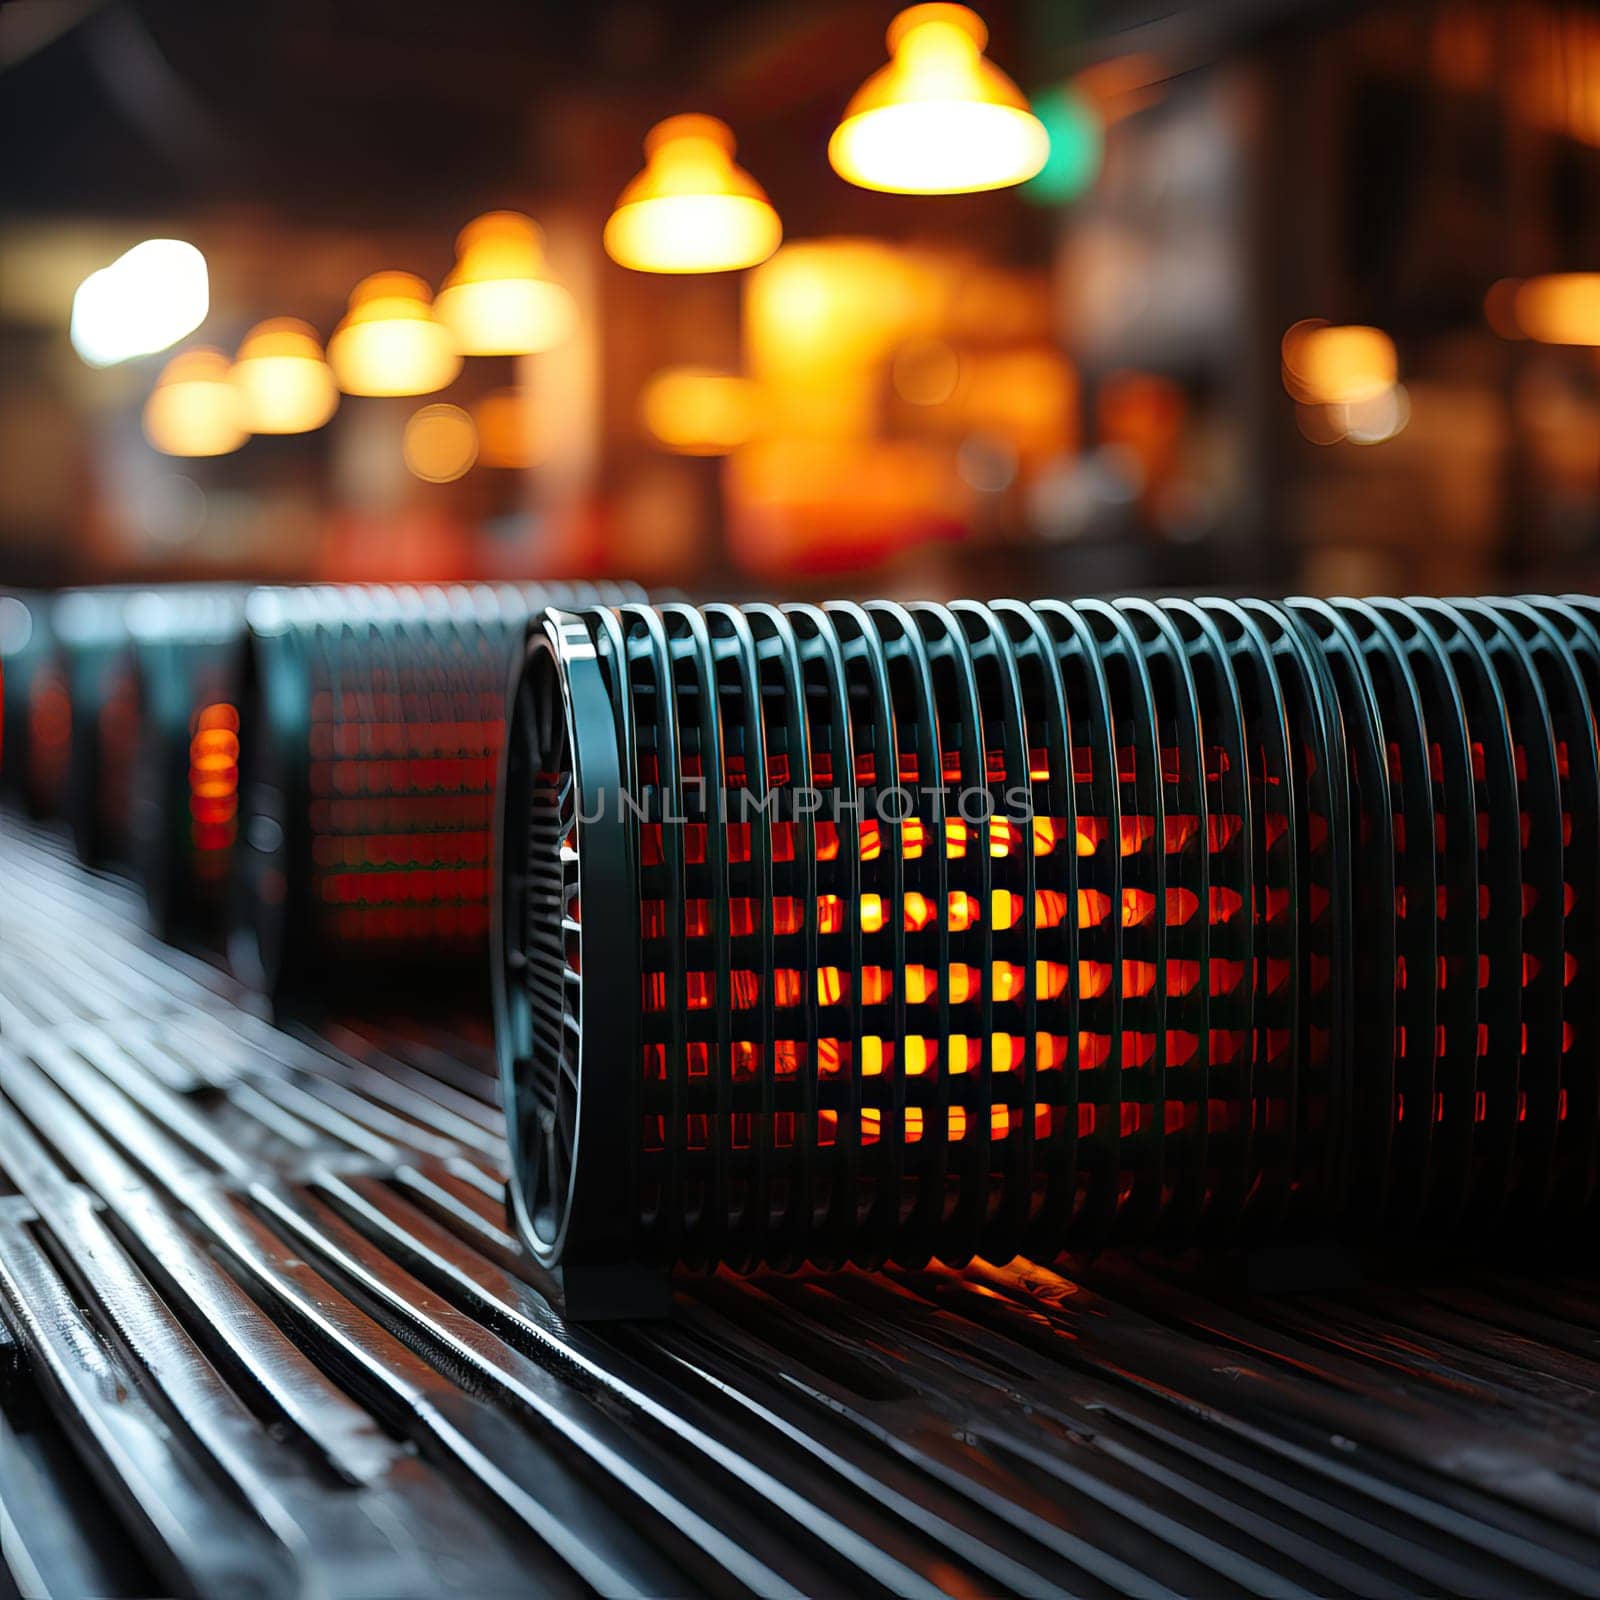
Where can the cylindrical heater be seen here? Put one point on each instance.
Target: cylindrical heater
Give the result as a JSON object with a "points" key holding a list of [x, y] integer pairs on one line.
{"points": [[884, 933], [38, 713], [183, 818], [371, 723], [102, 720]]}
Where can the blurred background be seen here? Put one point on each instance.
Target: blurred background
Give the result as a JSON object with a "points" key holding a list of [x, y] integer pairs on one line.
{"points": [[1247, 294]]}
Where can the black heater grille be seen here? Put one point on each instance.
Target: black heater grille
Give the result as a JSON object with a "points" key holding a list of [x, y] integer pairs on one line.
{"points": [[37, 734], [982, 930], [371, 730], [101, 714], [184, 810]]}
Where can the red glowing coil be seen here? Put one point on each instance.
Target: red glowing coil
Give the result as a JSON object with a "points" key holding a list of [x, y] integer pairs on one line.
{"points": [[1213, 920], [373, 723]]}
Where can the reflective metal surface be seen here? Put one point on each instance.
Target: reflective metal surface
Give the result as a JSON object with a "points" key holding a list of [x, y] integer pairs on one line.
{"points": [[264, 1330]]}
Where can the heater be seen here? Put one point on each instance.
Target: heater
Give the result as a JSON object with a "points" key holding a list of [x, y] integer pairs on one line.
{"points": [[184, 803], [370, 729], [884, 933], [126, 727], [33, 757], [88, 706]]}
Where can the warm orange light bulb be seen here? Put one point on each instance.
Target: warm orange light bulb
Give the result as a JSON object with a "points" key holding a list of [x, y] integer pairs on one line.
{"points": [[195, 409], [940, 118], [498, 300], [692, 209], [284, 384], [390, 342]]}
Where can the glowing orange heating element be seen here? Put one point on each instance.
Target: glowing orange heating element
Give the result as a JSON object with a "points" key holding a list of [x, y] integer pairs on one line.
{"points": [[49, 735], [214, 777], [1155, 961], [401, 782]]}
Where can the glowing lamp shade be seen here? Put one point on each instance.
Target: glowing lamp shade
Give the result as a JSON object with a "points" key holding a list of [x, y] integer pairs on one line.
{"points": [[692, 209], [195, 409], [498, 300], [1560, 308], [284, 384], [148, 298], [699, 412], [1324, 365], [940, 118], [390, 342]]}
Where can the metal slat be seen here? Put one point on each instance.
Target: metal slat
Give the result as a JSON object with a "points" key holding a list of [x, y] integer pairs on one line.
{"points": [[523, 1320], [278, 1486], [344, 1272], [192, 1528], [461, 1432]]}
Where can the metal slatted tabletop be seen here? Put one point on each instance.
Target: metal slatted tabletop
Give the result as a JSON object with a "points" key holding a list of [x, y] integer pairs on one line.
{"points": [[264, 1331]]}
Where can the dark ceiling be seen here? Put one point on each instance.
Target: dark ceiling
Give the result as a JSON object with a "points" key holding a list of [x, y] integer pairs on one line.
{"points": [[325, 107], [377, 112]]}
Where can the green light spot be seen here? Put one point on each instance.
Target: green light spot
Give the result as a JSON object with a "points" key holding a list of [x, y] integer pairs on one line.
{"points": [[1077, 145]]}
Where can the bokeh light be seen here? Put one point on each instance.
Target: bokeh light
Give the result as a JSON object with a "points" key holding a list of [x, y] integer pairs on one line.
{"points": [[284, 383], [925, 372], [148, 299], [1028, 396], [823, 306], [441, 443], [987, 463], [507, 426], [1077, 146], [1320, 424], [195, 410], [16, 625], [1374, 420], [696, 411], [1378, 418], [498, 300], [1327, 365], [1500, 308], [169, 509], [214, 779], [692, 209], [389, 342], [939, 118], [1560, 308]]}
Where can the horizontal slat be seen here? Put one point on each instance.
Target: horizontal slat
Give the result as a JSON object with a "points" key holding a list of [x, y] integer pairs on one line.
{"points": [[264, 1290]]}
